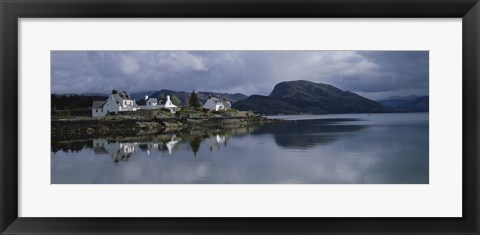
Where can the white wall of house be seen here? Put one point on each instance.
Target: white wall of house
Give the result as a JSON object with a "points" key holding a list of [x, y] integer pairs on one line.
{"points": [[98, 112], [114, 104], [169, 105], [151, 103]]}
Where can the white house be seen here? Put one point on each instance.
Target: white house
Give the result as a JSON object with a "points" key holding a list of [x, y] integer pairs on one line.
{"points": [[149, 103], [214, 103], [169, 105], [116, 102]]}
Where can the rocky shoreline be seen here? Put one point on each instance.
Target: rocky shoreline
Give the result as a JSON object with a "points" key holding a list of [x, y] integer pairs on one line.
{"points": [[149, 122]]}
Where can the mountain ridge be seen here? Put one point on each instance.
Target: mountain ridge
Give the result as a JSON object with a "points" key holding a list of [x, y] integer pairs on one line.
{"points": [[300, 96], [419, 104]]}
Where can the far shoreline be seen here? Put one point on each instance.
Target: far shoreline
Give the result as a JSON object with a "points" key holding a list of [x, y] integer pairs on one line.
{"points": [[325, 114]]}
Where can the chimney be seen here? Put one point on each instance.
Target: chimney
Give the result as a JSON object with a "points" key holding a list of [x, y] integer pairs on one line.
{"points": [[146, 97]]}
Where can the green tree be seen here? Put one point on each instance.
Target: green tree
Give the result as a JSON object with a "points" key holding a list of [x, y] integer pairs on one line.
{"points": [[176, 101], [194, 101]]}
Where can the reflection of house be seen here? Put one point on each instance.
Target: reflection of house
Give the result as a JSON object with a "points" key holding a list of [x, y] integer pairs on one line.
{"points": [[148, 147], [121, 151], [219, 140], [170, 144], [170, 106], [116, 102], [118, 151], [149, 103], [126, 148], [214, 103]]}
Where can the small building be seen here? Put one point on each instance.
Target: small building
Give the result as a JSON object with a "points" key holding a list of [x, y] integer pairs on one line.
{"points": [[170, 106], [149, 103], [214, 103], [116, 102]]}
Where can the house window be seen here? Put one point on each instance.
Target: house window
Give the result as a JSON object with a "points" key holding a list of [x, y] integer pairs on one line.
{"points": [[96, 110]]}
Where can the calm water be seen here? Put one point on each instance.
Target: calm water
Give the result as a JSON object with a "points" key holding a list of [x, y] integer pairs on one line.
{"points": [[308, 149]]}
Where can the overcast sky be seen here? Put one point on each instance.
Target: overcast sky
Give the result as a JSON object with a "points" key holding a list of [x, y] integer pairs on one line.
{"points": [[373, 74]]}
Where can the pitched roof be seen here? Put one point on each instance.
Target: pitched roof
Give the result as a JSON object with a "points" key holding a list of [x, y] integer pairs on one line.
{"points": [[144, 102], [218, 100], [153, 100], [121, 96], [124, 95], [98, 104]]}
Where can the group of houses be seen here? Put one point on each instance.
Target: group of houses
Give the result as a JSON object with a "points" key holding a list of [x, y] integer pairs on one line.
{"points": [[122, 102]]}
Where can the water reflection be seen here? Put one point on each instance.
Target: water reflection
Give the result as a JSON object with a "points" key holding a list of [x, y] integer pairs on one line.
{"points": [[301, 134], [121, 149], [304, 134], [334, 150]]}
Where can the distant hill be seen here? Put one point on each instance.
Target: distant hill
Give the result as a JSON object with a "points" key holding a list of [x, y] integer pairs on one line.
{"points": [[267, 105], [397, 97], [141, 94], [202, 95], [419, 104], [296, 97]]}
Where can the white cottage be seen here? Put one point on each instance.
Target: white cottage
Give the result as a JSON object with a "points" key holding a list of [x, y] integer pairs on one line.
{"points": [[116, 102], [169, 105], [214, 103], [149, 103]]}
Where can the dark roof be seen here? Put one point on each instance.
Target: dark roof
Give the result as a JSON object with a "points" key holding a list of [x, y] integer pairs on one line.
{"points": [[124, 95], [98, 104], [144, 102], [153, 100]]}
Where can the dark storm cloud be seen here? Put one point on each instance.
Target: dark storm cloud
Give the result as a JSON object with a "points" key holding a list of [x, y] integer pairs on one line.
{"points": [[373, 74]]}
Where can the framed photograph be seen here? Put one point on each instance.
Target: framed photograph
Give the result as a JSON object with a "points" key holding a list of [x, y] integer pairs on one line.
{"points": [[169, 117]]}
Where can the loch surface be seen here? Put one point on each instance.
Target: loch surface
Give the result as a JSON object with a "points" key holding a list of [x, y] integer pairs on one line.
{"points": [[306, 149]]}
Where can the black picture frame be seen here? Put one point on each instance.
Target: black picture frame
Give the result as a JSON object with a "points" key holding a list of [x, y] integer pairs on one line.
{"points": [[12, 10]]}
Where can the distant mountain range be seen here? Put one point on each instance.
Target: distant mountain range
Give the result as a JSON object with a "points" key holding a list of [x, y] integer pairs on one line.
{"points": [[407, 103], [295, 97], [397, 97]]}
